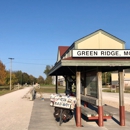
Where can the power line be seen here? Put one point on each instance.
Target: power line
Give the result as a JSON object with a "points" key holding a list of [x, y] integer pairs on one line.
{"points": [[30, 59], [33, 59], [30, 63]]}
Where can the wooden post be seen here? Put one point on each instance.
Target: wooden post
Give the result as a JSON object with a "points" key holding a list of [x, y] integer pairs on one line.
{"points": [[85, 83], [121, 97], [85, 91], [66, 84], [56, 84], [78, 107], [100, 107]]}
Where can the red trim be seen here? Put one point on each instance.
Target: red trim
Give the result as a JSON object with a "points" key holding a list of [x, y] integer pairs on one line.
{"points": [[122, 115], [100, 115], [78, 116], [97, 58], [96, 117]]}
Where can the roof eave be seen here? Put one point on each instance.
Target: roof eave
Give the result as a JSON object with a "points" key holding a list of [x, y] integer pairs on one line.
{"points": [[57, 66]]}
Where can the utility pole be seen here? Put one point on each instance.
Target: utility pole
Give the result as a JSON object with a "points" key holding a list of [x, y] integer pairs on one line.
{"points": [[10, 70]]}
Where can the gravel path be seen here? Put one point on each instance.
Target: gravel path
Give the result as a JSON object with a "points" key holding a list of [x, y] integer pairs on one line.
{"points": [[15, 112]]}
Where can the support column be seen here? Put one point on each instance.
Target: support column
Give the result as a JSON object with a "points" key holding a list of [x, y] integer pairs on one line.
{"points": [[78, 97], [121, 97], [67, 84], [85, 89], [100, 107], [56, 85], [84, 83]]}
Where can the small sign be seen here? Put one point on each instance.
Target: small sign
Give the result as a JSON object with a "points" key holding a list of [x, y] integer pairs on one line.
{"points": [[63, 101], [101, 53], [61, 104]]}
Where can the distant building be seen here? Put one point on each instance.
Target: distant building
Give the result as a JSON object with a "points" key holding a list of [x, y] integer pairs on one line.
{"points": [[114, 78], [61, 80]]}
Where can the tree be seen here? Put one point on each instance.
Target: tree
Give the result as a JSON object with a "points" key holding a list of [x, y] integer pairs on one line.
{"points": [[2, 73], [25, 78], [32, 79], [40, 80], [46, 71], [106, 77], [18, 75], [7, 79], [48, 79], [14, 79]]}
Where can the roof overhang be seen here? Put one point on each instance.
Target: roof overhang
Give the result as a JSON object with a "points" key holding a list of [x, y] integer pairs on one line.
{"points": [[70, 64]]}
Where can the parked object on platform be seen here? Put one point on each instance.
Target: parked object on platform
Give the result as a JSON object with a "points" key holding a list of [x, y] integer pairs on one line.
{"points": [[63, 107]]}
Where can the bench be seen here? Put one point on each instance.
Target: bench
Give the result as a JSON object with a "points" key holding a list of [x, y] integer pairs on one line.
{"points": [[91, 113], [88, 112]]}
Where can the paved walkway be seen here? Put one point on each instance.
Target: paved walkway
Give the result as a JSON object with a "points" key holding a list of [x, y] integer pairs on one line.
{"points": [[42, 119]]}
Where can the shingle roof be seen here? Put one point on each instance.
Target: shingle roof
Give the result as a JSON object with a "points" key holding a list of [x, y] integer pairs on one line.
{"points": [[62, 49]]}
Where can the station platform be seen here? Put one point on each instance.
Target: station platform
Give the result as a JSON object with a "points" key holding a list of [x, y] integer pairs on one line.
{"points": [[42, 119]]}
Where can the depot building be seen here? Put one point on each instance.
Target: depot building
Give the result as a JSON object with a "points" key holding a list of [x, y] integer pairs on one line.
{"points": [[85, 60]]}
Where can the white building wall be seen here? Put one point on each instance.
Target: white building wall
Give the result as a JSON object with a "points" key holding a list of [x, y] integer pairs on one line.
{"points": [[60, 79]]}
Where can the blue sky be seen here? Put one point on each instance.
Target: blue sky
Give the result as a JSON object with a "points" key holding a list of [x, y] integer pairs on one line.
{"points": [[32, 30]]}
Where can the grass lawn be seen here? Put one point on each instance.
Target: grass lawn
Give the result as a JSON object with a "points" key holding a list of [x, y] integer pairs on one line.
{"points": [[47, 85], [5, 89], [50, 90], [43, 89], [2, 92], [127, 90]]}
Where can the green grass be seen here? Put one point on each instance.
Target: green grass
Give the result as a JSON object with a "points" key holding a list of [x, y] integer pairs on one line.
{"points": [[5, 90], [127, 90], [4, 87], [50, 90], [43, 89], [50, 85]]}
